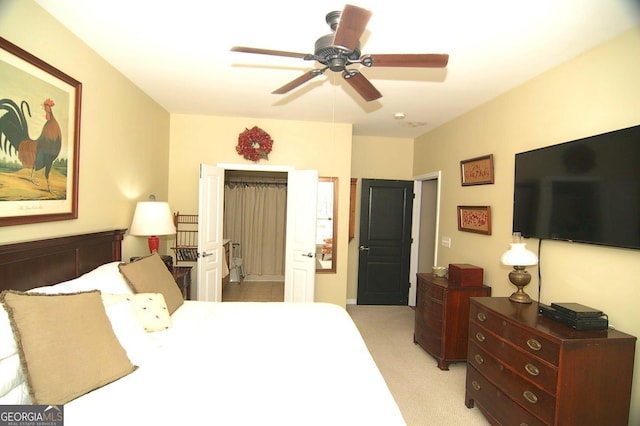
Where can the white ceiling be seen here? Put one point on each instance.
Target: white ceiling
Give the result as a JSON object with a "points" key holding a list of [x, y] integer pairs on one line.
{"points": [[178, 53]]}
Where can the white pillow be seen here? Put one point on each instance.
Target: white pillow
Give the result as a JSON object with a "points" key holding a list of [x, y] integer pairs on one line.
{"points": [[106, 278], [8, 345], [13, 386], [149, 308], [129, 331]]}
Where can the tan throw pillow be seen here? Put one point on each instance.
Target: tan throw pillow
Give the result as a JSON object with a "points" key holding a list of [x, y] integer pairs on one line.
{"points": [[66, 344], [150, 275]]}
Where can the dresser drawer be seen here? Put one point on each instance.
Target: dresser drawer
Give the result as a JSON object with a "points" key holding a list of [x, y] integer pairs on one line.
{"points": [[536, 345], [429, 340], [525, 393], [542, 374], [433, 323], [496, 403], [435, 292], [433, 309]]}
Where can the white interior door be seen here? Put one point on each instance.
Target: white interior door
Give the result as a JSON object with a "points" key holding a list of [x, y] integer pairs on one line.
{"points": [[210, 251], [300, 262]]}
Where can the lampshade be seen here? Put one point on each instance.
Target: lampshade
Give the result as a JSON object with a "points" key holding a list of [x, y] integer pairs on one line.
{"points": [[519, 255], [152, 218]]}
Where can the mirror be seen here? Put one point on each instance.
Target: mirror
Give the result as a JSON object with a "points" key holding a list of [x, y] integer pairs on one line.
{"points": [[327, 224]]}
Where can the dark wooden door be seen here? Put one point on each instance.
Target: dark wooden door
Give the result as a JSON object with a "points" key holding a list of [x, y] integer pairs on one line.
{"points": [[385, 242]]}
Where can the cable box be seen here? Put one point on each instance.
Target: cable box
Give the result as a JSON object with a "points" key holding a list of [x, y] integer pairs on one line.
{"points": [[586, 323], [576, 310]]}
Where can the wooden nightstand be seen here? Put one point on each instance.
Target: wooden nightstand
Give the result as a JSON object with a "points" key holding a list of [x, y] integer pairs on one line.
{"points": [[442, 317], [182, 275]]}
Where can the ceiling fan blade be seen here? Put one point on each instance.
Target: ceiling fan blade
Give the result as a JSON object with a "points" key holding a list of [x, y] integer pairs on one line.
{"points": [[410, 60], [353, 22], [268, 52], [362, 85], [298, 81]]}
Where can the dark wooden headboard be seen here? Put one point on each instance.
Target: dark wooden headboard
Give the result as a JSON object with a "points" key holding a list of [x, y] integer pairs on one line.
{"points": [[30, 264]]}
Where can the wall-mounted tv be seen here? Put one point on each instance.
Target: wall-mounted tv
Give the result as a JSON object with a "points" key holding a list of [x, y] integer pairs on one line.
{"points": [[587, 190]]}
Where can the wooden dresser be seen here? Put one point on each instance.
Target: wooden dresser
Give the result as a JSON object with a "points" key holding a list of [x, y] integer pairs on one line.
{"points": [[526, 369], [442, 317]]}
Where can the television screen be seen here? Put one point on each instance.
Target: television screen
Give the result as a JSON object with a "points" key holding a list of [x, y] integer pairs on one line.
{"points": [[587, 190]]}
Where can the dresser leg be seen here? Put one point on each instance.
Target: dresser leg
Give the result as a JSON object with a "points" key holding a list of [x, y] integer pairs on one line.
{"points": [[443, 365], [468, 401]]}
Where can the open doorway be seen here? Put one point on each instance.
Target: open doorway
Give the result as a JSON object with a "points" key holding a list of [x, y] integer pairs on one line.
{"points": [[255, 208], [426, 224], [299, 276]]}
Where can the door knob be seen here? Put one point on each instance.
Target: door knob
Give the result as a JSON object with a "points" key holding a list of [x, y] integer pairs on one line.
{"points": [[308, 254], [363, 248]]}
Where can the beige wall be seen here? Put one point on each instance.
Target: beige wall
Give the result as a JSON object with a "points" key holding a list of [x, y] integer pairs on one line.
{"points": [[375, 158], [124, 143], [594, 93], [325, 147]]}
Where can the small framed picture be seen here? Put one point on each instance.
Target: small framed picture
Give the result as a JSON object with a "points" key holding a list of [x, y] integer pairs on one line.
{"points": [[477, 171], [474, 219]]}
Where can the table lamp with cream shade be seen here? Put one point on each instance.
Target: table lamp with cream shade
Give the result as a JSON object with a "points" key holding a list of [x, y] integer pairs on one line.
{"points": [[519, 257], [152, 219]]}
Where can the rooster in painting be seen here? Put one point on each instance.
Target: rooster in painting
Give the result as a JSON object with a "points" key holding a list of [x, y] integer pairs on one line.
{"points": [[14, 137]]}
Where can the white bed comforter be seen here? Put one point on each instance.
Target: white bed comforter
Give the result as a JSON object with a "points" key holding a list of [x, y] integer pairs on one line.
{"points": [[245, 364]]}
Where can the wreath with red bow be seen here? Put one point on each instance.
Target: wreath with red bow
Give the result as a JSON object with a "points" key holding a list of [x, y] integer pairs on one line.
{"points": [[254, 144]]}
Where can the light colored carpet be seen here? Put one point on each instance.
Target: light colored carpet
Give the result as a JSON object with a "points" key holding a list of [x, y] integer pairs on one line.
{"points": [[425, 394]]}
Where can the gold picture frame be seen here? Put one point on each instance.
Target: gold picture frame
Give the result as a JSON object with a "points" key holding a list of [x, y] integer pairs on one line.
{"points": [[475, 219], [38, 174], [477, 171]]}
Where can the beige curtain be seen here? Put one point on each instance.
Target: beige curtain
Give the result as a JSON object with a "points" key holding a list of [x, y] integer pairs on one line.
{"points": [[255, 216]]}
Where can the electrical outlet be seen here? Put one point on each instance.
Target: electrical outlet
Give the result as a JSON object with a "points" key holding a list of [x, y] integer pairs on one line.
{"points": [[446, 242]]}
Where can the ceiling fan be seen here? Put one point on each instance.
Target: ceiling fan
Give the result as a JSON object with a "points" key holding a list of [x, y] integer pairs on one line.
{"points": [[341, 48]]}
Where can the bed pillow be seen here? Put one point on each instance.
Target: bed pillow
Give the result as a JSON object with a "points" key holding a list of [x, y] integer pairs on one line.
{"points": [[132, 336], [66, 344], [150, 275], [106, 278], [150, 309], [13, 387]]}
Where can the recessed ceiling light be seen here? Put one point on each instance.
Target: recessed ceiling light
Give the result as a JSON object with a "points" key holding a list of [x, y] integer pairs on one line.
{"points": [[399, 116]]}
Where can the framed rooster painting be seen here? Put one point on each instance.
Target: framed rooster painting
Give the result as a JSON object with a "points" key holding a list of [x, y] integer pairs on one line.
{"points": [[39, 139]]}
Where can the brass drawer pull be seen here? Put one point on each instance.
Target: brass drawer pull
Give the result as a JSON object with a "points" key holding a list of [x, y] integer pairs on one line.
{"points": [[480, 337], [475, 385], [532, 369], [479, 359], [530, 396], [534, 344], [482, 317], [523, 424]]}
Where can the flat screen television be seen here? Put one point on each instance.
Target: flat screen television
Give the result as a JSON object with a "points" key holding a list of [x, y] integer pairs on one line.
{"points": [[586, 191]]}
